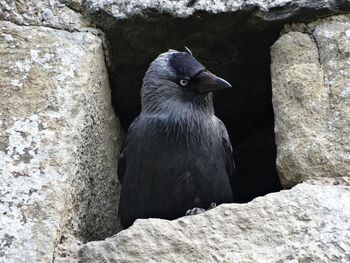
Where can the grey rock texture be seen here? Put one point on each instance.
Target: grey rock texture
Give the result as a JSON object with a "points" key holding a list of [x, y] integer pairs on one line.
{"points": [[59, 142], [309, 223], [311, 97], [50, 13]]}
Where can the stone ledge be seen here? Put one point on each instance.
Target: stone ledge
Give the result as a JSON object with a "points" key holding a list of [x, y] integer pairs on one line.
{"points": [[307, 223]]}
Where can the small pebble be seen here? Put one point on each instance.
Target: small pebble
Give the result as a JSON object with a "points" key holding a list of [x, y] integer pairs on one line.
{"points": [[47, 15]]}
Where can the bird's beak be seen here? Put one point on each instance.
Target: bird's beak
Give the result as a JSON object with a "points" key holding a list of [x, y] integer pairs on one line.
{"points": [[207, 81]]}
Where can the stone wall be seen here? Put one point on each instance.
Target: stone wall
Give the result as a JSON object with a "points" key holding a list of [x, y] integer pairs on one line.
{"points": [[60, 138]]}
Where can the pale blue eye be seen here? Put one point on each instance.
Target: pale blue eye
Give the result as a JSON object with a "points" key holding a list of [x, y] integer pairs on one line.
{"points": [[183, 82]]}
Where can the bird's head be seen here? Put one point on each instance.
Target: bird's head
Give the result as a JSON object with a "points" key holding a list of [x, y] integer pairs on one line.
{"points": [[178, 77]]}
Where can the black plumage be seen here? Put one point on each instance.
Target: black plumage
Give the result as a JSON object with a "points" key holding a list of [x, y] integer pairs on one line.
{"points": [[177, 154]]}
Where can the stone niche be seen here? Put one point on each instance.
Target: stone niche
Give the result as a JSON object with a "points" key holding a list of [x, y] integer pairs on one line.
{"points": [[310, 84], [235, 45], [231, 40]]}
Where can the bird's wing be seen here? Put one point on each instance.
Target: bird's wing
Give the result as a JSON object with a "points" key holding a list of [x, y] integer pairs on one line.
{"points": [[230, 166], [121, 159]]}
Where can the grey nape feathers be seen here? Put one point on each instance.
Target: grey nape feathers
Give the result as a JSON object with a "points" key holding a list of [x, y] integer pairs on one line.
{"points": [[177, 154]]}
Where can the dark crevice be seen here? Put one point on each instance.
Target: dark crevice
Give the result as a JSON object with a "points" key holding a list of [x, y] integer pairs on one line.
{"points": [[236, 52], [236, 47]]}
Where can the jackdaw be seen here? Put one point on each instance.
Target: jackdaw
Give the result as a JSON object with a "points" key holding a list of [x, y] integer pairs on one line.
{"points": [[177, 154]]}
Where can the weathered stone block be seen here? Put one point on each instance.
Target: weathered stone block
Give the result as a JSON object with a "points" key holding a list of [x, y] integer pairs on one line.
{"points": [[308, 223], [311, 92], [59, 142]]}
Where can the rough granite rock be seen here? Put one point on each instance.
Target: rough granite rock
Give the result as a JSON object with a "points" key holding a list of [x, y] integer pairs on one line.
{"points": [[59, 142], [50, 13], [309, 223], [311, 98]]}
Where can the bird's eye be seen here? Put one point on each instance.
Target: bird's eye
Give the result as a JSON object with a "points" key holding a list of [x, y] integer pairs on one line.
{"points": [[183, 82]]}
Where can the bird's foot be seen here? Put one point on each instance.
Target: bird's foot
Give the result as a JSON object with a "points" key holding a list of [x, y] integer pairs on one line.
{"points": [[212, 205], [198, 210], [195, 211]]}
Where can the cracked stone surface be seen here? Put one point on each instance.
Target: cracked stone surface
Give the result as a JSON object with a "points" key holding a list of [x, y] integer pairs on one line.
{"points": [[59, 142], [309, 223], [311, 98]]}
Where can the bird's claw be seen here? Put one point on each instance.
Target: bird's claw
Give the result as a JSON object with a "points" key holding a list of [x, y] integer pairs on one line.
{"points": [[195, 211], [212, 205], [198, 210]]}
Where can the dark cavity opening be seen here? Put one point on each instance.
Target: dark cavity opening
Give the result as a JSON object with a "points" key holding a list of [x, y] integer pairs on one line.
{"points": [[236, 47]]}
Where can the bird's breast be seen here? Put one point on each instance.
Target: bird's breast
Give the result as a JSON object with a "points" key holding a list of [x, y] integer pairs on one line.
{"points": [[186, 131]]}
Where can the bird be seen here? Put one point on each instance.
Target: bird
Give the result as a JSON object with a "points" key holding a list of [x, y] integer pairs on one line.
{"points": [[177, 155]]}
